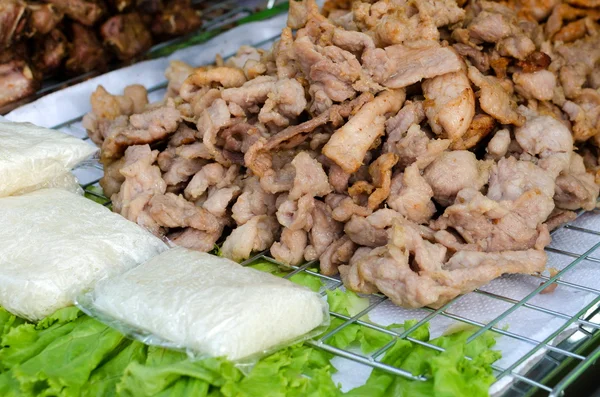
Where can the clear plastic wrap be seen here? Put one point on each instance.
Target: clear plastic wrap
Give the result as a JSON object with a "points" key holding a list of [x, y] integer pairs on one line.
{"points": [[207, 305], [32, 156], [56, 244], [66, 181]]}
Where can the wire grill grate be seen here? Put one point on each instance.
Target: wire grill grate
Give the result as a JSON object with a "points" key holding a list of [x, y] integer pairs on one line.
{"points": [[580, 348], [587, 320]]}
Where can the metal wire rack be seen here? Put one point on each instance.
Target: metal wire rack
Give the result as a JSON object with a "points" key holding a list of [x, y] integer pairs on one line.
{"points": [[550, 366]]}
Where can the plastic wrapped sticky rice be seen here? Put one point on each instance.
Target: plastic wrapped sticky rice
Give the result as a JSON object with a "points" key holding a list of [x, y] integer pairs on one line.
{"points": [[209, 305], [55, 244], [33, 157]]}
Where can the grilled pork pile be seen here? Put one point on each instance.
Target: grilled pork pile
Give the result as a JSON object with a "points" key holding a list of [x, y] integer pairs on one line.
{"points": [[420, 149], [72, 37]]}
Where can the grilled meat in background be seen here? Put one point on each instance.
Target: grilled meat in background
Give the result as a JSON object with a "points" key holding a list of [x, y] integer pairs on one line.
{"points": [[43, 18], [65, 38], [13, 18], [126, 35], [49, 52], [16, 76], [86, 52], [87, 12], [176, 19]]}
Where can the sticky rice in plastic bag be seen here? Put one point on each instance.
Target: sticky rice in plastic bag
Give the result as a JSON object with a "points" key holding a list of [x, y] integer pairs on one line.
{"points": [[56, 244], [208, 305], [33, 157]]}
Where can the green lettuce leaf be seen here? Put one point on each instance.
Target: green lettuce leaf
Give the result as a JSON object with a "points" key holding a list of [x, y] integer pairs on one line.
{"points": [[103, 380], [312, 282], [216, 251], [361, 336], [268, 267], [95, 193], [61, 316], [165, 367], [301, 278], [9, 386], [186, 387], [24, 342], [346, 302], [68, 361], [8, 321], [450, 373], [296, 371]]}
